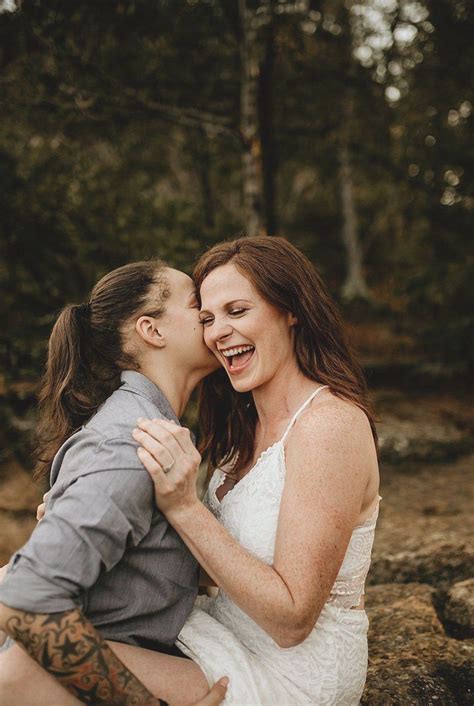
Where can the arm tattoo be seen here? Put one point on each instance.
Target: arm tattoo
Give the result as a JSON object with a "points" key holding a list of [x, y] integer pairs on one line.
{"points": [[67, 646]]}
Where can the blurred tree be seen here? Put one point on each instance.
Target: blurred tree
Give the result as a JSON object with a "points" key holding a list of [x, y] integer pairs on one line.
{"points": [[122, 136]]}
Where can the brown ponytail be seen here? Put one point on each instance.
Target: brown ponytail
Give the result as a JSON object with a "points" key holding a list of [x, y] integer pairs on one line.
{"points": [[86, 352]]}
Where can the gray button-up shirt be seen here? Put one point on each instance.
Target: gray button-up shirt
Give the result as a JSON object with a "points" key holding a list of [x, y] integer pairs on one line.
{"points": [[103, 546]]}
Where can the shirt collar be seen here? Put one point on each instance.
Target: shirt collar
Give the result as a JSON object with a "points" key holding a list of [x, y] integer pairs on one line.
{"points": [[147, 388]]}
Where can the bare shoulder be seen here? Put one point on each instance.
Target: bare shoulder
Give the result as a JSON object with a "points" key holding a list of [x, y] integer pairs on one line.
{"points": [[333, 420], [330, 443]]}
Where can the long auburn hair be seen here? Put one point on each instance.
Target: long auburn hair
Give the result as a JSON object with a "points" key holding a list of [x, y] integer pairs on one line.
{"points": [[86, 352], [286, 279]]}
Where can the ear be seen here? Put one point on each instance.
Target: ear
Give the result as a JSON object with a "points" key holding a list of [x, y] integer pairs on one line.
{"points": [[147, 329], [292, 320]]}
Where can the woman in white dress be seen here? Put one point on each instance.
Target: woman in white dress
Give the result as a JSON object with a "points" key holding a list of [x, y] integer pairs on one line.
{"points": [[287, 524]]}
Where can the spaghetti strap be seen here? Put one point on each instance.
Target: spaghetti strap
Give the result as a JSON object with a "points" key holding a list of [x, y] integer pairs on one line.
{"points": [[295, 416]]}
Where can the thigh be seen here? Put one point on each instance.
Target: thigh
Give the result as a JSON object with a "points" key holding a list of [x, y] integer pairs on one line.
{"points": [[174, 679], [177, 680]]}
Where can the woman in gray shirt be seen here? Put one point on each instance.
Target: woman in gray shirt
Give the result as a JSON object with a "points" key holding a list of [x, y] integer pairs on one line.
{"points": [[104, 564]]}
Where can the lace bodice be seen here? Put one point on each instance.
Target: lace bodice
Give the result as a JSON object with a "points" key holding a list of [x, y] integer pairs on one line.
{"points": [[251, 517]]}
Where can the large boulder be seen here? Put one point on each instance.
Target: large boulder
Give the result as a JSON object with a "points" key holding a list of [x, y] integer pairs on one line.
{"points": [[437, 563], [426, 439], [411, 659], [458, 610]]}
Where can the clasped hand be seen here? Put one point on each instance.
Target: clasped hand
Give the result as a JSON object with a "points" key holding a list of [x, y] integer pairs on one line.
{"points": [[170, 457]]}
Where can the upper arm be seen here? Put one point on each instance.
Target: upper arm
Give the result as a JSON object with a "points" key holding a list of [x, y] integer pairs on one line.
{"points": [[326, 479], [85, 531]]}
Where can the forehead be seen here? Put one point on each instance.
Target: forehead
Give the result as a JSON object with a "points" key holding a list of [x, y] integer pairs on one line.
{"points": [[225, 284], [179, 282]]}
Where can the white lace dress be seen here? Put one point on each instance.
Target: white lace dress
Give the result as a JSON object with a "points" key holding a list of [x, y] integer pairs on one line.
{"points": [[330, 665]]}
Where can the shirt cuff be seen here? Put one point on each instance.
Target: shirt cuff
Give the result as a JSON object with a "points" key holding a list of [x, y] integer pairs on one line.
{"points": [[23, 589]]}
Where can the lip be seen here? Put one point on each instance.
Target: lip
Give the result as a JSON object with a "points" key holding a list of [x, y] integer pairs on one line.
{"points": [[235, 370]]}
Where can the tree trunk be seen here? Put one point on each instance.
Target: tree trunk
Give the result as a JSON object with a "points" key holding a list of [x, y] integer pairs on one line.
{"points": [[269, 156], [355, 285], [252, 155], [203, 167]]}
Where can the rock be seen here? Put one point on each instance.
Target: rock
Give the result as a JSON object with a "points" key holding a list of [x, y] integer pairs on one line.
{"points": [[429, 439], [18, 492], [411, 659], [458, 611], [436, 563], [19, 498], [15, 529]]}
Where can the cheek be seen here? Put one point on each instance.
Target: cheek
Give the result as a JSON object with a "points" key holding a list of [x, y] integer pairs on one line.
{"points": [[207, 337]]}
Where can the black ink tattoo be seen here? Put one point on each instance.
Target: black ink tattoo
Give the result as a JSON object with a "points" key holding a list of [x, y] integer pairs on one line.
{"points": [[70, 648]]}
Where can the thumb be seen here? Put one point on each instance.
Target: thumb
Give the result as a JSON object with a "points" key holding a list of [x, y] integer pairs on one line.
{"points": [[216, 695]]}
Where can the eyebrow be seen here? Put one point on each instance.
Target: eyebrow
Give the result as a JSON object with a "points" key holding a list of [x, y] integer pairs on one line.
{"points": [[227, 305]]}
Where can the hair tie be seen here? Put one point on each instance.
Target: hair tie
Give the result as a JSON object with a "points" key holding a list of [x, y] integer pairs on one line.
{"points": [[83, 309]]}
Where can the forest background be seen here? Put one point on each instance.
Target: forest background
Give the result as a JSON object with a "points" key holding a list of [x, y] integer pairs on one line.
{"points": [[130, 129]]}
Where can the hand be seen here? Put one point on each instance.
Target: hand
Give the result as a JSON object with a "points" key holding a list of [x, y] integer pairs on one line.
{"points": [[41, 509], [216, 695], [163, 445], [3, 634]]}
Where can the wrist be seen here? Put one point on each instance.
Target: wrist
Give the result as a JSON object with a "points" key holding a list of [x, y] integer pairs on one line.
{"points": [[180, 515]]}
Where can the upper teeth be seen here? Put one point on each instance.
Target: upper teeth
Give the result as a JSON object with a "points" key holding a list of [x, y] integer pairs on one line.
{"points": [[235, 351]]}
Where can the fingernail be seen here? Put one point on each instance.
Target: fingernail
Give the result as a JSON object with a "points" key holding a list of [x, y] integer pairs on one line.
{"points": [[224, 682], [141, 419]]}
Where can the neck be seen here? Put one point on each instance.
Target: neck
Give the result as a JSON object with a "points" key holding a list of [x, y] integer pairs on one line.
{"points": [[278, 399], [176, 385]]}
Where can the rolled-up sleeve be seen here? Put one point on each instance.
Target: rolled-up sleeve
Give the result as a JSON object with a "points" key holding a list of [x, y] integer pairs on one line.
{"points": [[86, 531]]}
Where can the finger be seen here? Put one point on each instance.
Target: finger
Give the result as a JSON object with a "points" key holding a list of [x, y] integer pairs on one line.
{"points": [[216, 695], [40, 511], [171, 432], [155, 448], [164, 433], [151, 465]]}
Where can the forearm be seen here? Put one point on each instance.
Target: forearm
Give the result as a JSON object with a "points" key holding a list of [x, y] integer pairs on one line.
{"points": [[70, 649], [253, 585]]}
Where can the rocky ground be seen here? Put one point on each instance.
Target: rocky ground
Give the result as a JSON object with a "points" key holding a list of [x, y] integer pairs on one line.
{"points": [[420, 597]]}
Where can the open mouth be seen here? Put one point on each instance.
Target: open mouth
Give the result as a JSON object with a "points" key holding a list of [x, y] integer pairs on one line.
{"points": [[238, 358]]}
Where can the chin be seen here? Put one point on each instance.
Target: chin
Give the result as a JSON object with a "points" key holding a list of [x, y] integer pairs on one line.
{"points": [[243, 385]]}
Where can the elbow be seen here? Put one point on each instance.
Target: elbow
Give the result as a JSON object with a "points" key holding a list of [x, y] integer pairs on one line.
{"points": [[5, 613], [294, 632], [291, 637]]}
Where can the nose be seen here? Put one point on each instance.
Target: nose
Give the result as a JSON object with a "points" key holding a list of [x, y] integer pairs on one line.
{"points": [[218, 332]]}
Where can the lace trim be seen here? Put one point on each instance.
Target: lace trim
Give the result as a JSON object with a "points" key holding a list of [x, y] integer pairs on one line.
{"points": [[347, 593], [213, 493]]}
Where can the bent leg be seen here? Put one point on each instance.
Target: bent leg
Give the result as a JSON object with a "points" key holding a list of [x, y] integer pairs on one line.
{"points": [[176, 680]]}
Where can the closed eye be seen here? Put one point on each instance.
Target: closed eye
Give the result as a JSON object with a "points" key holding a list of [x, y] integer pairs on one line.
{"points": [[237, 312], [207, 320]]}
